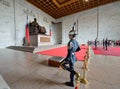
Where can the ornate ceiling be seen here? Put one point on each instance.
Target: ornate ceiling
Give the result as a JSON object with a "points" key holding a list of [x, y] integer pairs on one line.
{"points": [[60, 8]]}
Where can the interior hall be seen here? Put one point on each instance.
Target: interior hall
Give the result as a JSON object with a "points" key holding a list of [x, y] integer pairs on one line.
{"points": [[59, 44]]}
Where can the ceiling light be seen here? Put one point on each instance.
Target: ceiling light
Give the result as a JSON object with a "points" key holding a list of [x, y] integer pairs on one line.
{"points": [[86, 0]]}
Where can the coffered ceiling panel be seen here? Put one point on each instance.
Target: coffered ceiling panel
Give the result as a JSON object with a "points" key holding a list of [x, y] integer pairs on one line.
{"points": [[60, 8]]}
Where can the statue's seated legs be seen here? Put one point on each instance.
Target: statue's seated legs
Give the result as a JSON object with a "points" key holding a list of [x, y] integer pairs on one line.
{"points": [[34, 31]]}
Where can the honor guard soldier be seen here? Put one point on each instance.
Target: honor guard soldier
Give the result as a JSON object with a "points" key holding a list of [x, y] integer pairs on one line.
{"points": [[103, 43], [96, 43], [106, 44], [68, 63]]}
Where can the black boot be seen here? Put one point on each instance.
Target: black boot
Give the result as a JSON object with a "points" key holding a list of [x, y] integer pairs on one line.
{"points": [[71, 84]]}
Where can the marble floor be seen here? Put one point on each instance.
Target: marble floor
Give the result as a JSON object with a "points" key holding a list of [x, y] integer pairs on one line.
{"points": [[24, 70]]}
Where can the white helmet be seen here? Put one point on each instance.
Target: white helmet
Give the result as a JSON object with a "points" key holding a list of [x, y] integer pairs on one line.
{"points": [[72, 33]]}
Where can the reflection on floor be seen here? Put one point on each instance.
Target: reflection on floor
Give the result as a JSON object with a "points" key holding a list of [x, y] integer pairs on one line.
{"points": [[24, 70], [3, 84]]}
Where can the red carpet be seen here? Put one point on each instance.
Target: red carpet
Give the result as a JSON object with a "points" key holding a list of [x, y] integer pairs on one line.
{"points": [[62, 52], [112, 51]]}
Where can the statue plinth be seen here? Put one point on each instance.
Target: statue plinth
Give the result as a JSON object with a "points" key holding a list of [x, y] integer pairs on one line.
{"points": [[40, 39]]}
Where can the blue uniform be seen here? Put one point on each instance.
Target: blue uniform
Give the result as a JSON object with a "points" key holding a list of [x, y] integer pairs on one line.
{"points": [[71, 57]]}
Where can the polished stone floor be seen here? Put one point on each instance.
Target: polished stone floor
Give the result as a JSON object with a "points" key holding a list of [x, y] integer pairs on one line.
{"points": [[24, 70]]}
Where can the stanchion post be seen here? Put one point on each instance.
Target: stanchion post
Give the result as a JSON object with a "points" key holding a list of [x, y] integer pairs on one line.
{"points": [[84, 80], [77, 81], [85, 66]]}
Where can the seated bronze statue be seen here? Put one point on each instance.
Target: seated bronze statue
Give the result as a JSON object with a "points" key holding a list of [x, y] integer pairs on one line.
{"points": [[36, 29]]}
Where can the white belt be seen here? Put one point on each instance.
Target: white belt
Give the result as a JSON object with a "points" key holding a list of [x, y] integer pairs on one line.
{"points": [[73, 53]]}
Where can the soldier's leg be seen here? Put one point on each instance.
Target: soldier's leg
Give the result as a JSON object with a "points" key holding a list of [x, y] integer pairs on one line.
{"points": [[68, 66], [72, 73], [64, 65], [106, 46]]}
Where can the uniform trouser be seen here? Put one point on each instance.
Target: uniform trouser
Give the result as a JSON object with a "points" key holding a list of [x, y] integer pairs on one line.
{"points": [[103, 46], [106, 47], [95, 46], [70, 67]]}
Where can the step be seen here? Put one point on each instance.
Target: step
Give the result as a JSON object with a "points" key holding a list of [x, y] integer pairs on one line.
{"points": [[22, 48]]}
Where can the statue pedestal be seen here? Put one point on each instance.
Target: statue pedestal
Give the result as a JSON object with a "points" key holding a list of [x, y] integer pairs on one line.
{"points": [[39, 40]]}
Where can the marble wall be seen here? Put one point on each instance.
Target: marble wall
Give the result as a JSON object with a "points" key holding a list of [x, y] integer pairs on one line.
{"points": [[7, 31]]}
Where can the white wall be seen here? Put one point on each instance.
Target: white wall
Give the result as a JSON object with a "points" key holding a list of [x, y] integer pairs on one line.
{"points": [[13, 20], [6, 23], [109, 23]]}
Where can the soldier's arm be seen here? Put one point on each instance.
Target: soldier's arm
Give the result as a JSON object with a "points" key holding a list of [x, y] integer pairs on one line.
{"points": [[70, 50]]}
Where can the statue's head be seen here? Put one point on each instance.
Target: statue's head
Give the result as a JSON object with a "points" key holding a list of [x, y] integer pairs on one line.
{"points": [[35, 19]]}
